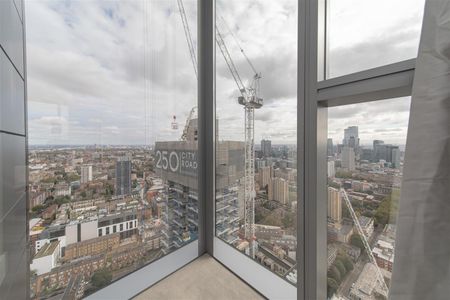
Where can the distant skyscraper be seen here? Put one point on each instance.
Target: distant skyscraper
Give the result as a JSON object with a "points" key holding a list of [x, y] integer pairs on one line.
{"points": [[386, 152], [396, 157], [259, 163], [279, 190], [330, 151], [123, 176], [266, 148], [366, 154], [86, 174], [351, 137], [348, 158], [334, 205], [265, 176], [331, 168], [377, 150]]}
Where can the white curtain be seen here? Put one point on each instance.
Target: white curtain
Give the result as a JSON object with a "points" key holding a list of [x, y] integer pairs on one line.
{"points": [[422, 254]]}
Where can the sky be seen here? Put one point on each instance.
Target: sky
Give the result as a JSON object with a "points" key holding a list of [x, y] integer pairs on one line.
{"points": [[118, 72]]}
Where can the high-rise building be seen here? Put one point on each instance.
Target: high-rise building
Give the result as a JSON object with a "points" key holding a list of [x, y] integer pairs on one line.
{"points": [[351, 137], [259, 163], [334, 205], [366, 154], [331, 171], [348, 158], [265, 176], [395, 157], [378, 150], [386, 152], [279, 190], [86, 174], [123, 176], [179, 204], [266, 148], [330, 151]]}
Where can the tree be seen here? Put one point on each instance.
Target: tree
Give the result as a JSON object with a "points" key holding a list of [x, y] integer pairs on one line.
{"points": [[334, 273], [101, 278], [348, 264], [356, 240], [73, 177], [38, 208], [62, 200], [340, 266], [334, 185], [343, 174], [288, 220], [332, 287], [387, 210]]}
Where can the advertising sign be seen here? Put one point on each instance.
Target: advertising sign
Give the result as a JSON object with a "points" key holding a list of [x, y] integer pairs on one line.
{"points": [[182, 162]]}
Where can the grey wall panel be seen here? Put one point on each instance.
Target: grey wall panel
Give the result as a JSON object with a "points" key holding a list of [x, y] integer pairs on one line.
{"points": [[18, 282], [13, 248], [12, 172], [11, 33], [12, 98]]}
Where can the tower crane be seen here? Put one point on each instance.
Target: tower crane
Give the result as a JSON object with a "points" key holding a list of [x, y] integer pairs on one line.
{"points": [[250, 100], [380, 278]]}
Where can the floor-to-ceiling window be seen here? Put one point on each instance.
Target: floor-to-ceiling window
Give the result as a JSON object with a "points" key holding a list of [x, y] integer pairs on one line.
{"points": [[366, 56], [113, 139], [114, 130], [256, 134], [365, 150]]}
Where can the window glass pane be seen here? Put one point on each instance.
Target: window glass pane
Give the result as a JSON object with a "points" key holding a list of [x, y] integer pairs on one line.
{"points": [[256, 193], [366, 147], [367, 34], [113, 184]]}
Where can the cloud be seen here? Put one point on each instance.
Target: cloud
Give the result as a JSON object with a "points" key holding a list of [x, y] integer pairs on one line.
{"points": [[116, 72]]}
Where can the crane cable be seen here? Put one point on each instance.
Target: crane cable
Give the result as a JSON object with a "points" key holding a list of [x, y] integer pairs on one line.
{"points": [[239, 45]]}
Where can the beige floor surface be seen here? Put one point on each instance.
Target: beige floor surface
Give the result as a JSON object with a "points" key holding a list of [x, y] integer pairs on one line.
{"points": [[202, 279]]}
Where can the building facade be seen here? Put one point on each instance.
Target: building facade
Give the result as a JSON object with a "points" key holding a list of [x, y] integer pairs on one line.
{"points": [[86, 174], [266, 148], [279, 190], [334, 205], [348, 158], [123, 176]]}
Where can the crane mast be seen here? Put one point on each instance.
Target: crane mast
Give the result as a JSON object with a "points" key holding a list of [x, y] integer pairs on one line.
{"points": [[186, 126], [384, 288], [250, 100]]}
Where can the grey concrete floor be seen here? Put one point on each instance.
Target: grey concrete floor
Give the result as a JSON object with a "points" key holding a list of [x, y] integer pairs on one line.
{"points": [[202, 279]]}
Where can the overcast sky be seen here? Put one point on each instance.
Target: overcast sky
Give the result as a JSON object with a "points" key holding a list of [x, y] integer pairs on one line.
{"points": [[116, 72]]}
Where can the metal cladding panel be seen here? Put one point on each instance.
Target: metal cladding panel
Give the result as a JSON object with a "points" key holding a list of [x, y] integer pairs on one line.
{"points": [[12, 98], [16, 289], [11, 33], [13, 248], [12, 172]]}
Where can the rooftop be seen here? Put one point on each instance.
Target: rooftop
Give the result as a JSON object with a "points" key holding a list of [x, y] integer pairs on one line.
{"points": [[365, 285], [47, 249]]}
